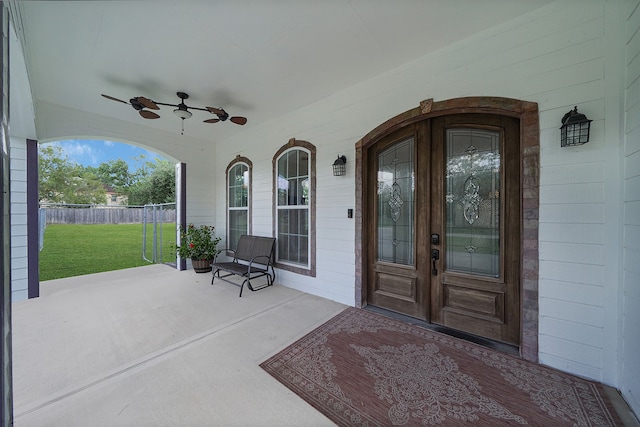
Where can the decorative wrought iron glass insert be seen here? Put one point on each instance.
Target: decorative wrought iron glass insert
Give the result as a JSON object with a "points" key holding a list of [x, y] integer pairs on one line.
{"points": [[396, 213], [473, 194]]}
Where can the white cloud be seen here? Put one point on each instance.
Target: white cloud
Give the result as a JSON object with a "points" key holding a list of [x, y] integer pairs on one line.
{"points": [[81, 152], [95, 152]]}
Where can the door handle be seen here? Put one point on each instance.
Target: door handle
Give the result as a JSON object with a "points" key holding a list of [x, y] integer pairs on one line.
{"points": [[435, 255]]}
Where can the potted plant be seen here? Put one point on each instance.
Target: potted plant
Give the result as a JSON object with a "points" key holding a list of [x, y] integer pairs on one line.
{"points": [[199, 244]]}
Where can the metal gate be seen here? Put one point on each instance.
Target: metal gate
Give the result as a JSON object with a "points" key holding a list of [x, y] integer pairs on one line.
{"points": [[159, 233]]}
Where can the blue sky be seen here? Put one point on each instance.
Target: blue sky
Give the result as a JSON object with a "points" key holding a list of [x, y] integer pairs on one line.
{"points": [[95, 152]]}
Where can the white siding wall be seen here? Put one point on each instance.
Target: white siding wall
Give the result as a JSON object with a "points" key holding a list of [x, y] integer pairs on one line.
{"points": [[630, 378], [558, 56], [19, 260], [21, 109]]}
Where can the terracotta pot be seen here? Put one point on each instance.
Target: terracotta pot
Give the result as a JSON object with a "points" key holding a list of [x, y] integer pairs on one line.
{"points": [[201, 266]]}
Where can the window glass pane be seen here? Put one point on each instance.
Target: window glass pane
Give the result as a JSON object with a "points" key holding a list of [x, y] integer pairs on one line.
{"points": [[294, 222], [283, 221], [473, 201], [303, 254], [282, 166], [238, 225], [232, 197], [294, 248], [283, 190], [292, 164], [396, 228], [293, 192], [304, 191], [303, 166]]}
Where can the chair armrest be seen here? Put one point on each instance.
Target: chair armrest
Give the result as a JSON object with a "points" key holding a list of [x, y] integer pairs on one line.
{"points": [[268, 258]]}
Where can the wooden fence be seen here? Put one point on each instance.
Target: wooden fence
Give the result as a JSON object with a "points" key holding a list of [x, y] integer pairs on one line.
{"points": [[103, 215]]}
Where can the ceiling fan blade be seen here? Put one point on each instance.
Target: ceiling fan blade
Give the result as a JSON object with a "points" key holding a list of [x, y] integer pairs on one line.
{"points": [[217, 111], [238, 120], [148, 103], [114, 99], [148, 114], [211, 121]]}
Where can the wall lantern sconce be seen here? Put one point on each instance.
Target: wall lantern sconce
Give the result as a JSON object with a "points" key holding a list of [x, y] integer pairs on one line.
{"points": [[575, 128], [339, 168]]}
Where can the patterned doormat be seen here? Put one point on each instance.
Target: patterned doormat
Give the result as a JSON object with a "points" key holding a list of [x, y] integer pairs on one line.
{"points": [[365, 369]]}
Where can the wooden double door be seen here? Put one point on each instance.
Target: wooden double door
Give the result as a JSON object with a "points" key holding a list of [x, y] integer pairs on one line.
{"points": [[442, 223]]}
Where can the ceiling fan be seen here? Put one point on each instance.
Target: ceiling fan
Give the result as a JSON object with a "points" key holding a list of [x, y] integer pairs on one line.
{"points": [[144, 105]]}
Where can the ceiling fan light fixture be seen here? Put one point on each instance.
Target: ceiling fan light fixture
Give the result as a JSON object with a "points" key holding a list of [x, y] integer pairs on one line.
{"points": [[141, 104], [182, 113]]}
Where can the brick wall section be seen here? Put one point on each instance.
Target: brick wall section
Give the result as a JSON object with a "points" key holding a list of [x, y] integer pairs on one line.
{"points": [[530, 216]]}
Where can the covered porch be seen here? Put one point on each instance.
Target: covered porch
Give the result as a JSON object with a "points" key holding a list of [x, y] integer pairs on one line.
{"points": [[154, 346]]}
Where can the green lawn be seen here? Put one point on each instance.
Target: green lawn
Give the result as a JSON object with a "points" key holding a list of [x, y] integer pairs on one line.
{"points": [[73, 249]]}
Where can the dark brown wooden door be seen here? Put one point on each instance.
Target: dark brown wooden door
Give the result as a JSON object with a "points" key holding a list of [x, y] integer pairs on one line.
{"points": [[398, 195], [443, 236]]}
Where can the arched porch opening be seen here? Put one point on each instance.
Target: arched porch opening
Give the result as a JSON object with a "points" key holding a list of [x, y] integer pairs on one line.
{"points": [[32, 200]]}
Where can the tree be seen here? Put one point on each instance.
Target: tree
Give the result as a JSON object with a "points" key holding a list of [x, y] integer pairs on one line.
{"points": [[115, 174], [61, 181], [156, 184]]}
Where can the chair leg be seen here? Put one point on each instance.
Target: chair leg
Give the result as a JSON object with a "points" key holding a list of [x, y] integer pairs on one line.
{"points": [[241, 287]]}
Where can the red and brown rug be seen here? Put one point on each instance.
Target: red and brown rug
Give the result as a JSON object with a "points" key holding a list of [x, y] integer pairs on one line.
{"points": [[365, 369]]}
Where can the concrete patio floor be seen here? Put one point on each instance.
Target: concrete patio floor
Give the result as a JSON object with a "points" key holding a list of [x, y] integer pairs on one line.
{"points": [[152, 346]]}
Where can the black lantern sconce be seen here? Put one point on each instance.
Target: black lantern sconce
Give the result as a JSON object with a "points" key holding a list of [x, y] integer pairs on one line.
{"points": [[575, 128], [339, 168]]}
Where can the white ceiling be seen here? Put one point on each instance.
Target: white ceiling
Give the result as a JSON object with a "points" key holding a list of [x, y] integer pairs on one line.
{"points": [[254, 58]]}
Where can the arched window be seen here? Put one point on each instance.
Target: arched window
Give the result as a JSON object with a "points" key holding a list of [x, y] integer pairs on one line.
{"points": [[238, 200], [294, 205]]}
